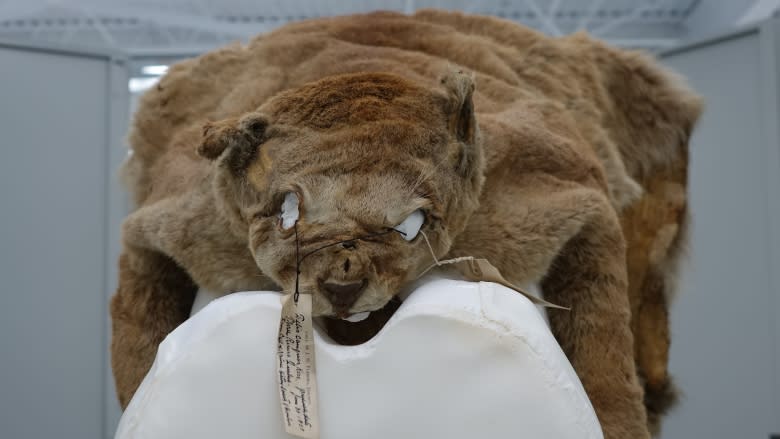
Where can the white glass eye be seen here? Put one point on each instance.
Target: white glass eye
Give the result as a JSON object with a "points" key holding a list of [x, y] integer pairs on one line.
{"points": [[290, 213], [411, 225]]}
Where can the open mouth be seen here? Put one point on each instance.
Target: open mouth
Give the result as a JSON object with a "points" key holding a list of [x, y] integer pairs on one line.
{"points": [[360, 327], [357, 317]]}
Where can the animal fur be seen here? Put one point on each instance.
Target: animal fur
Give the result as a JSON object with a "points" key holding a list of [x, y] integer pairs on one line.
{"points": [[561, 160]]}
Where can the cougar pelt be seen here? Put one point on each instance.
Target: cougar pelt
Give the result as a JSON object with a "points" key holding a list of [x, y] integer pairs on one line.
{"points": [[561, 160]]}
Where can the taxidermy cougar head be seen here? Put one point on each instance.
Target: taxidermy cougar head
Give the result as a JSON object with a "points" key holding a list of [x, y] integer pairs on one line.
{"points": [[359, 164]]}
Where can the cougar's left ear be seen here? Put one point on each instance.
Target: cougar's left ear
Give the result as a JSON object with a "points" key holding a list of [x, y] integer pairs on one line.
{"points": [[238, 139], [462, 122]]}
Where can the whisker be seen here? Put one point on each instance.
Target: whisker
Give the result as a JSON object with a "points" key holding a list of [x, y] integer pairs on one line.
{"points": [[299, 259], [357, 238], [425, 174], [425, 235]]}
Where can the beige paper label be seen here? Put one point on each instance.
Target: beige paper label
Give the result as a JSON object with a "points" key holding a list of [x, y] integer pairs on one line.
{"points": [[482, 270], [296, 368]]}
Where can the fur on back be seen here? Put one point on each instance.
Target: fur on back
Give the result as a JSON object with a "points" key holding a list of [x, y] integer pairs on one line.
{"points": [[636, 115]]}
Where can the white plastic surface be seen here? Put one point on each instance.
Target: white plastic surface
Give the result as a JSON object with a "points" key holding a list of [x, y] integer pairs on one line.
{"points": [[457, 360]]}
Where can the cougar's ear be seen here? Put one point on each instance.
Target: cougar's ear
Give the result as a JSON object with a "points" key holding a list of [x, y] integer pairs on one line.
{"points": [[238, 139], [461, 120]]}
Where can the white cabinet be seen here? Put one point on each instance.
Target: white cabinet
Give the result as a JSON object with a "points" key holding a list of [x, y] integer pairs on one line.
{"points": [[63, 114], [725, 322]]}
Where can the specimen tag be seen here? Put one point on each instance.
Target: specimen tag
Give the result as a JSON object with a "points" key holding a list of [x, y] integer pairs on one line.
{"points": [[482, 270], [479, 269], [296, 369]]}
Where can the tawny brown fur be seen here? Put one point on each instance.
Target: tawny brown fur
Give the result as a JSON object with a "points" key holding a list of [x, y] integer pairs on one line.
{"points": [[561, 160]]}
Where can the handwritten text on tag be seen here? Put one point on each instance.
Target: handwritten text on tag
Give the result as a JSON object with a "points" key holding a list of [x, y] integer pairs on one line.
{"points": [[296, 368]]}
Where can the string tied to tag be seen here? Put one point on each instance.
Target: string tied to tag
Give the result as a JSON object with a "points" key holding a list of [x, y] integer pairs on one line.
{"points": [[297, 292], [296, 367]]}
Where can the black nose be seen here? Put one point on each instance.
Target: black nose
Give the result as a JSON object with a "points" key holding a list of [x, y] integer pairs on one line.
{"points": [[343, 296]]}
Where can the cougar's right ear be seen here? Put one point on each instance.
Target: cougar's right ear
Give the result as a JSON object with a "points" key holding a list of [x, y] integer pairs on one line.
{"points": [[238, 139]]}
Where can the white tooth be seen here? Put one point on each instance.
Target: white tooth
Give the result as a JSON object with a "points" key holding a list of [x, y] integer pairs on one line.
{"points": [[290, 212], [411, 225], [359, 317]]}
